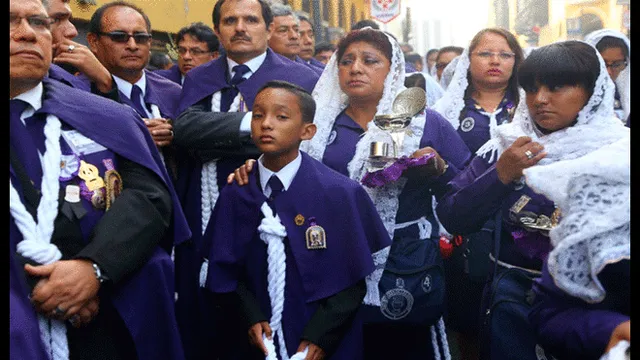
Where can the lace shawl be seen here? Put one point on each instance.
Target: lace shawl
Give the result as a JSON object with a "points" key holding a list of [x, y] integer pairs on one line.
{"points": [[331, 101], [452, 102], [623, 82], [447, 73]]}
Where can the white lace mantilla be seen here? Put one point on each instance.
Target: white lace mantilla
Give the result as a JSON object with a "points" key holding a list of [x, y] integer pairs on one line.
{"points": [[36, 235], [452, 102], [623, 82], [332, 100]]}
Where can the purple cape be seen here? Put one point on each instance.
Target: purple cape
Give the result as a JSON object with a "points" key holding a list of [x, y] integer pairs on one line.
{"points": [[62, 75], [315, 68], [159, 91], [209, 78], [353, 232], [173, 74], [145, 301]]}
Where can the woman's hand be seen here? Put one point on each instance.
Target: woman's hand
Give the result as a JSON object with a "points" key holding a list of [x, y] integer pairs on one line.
{"points": [[241, 174], [621, 332], [523, 153]]}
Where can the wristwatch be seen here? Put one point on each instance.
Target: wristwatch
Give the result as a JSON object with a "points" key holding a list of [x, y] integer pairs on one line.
{"points": [[99, 274]]}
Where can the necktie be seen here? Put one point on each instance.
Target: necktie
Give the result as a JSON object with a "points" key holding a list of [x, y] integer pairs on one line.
{"points": [[230, 93], [24, 143], [136, 96], [276, 188]]}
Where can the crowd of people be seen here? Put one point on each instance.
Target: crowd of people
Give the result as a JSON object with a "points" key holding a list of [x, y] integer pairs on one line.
{"points": [[234, 206]]}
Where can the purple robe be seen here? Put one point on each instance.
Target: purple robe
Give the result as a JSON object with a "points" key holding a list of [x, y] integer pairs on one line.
{"points": [[24, 332], [161, 92], [317, 63], [462, 211], [173, 74], [145, 300], [62, 75], [353, 232], [474, 126], [209, 78], [571, 328], [309, 65]]}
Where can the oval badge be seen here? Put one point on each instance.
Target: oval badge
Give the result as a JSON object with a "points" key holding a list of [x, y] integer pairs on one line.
{"points": [[396, 303], [467, 124]]}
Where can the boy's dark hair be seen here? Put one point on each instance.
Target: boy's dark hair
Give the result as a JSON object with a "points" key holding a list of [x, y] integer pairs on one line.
{"points": [[95, 24], [364, 23], [572, 63], [267, 16], [305, 100], [201, 32], [324, 46], [608, 42]]}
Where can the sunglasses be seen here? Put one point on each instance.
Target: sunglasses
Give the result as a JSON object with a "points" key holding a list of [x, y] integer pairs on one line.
{"points": [[123, 37]]}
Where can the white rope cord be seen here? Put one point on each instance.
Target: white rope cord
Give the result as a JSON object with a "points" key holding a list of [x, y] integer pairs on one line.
{"points": [[272, 232], [36, 237], [209, 191], [155, 112], [493, 124]]}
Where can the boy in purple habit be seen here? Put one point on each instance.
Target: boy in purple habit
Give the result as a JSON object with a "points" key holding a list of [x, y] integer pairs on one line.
{"points": [[294, 245]]}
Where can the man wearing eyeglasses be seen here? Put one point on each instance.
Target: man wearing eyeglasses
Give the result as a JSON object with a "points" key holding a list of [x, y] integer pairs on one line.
{"points": [[197, 44], [90, 206], [120, 37], [215, 126]]}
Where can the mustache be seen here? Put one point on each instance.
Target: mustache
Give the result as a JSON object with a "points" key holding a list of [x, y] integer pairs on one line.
{"points": [[240, 37]]}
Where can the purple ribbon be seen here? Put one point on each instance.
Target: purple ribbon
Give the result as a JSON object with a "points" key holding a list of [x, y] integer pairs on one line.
{"points": [[393, 172]]}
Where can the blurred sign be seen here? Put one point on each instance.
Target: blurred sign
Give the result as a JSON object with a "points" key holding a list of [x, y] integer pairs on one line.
{"points": [[573, 26], [385, 10]]}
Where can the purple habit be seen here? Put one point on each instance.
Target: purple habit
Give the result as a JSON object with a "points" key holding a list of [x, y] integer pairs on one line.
{"points": [[172, 74], [145, 301], [62, 75], [315, 68], [353, 232]]}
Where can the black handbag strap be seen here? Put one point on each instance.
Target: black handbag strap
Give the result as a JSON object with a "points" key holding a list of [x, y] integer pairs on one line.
{"points": [[31, 194]]}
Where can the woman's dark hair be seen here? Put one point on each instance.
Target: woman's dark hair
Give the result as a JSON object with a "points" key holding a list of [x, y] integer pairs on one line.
{"points": [[571, 63], [267, 16], [376, 38], [305, 100], [416, 80], [512, 86], [609, 42]]}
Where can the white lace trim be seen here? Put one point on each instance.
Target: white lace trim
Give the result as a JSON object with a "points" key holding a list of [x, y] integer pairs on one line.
{"points": [[447, 73], [332, 100], [452, 102], [623, 82], [209, 183], [36, 237], [586, 174]]}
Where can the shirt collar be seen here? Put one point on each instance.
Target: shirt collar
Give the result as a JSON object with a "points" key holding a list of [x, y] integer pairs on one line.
{"points": [[32, 97], [126, 87], [286, 174], [253, 64]]}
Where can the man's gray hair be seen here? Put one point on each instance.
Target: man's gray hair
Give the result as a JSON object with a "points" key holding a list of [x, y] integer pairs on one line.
{"points": [[283, 10]]}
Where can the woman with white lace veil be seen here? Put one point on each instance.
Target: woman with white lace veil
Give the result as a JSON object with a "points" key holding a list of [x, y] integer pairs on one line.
{"points": [[360, 81], [568, 114], [482, 93], [615, 49]]}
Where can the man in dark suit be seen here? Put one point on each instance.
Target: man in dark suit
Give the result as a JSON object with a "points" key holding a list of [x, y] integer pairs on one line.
{"points": [[214, 126], [90, 204], [197, 44], [120, 37]]}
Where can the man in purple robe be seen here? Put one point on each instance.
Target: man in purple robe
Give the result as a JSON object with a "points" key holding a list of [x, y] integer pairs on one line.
{"points": [[298, 218], [125, 56], [197, 44], [80, 167], [214, 126], [308, 43]]}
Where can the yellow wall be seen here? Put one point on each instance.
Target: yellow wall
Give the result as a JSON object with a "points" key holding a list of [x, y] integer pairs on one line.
{"points": [[171, 15]]}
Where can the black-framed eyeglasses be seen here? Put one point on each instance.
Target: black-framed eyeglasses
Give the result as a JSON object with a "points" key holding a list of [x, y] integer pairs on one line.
{"points": [[617, 65], [192, 51], [123, 37], [503, 55], [37, 22]]}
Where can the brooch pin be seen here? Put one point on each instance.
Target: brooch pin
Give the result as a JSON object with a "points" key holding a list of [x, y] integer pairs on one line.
{"points": [[91, 176], [315, 235], [299, 220]]}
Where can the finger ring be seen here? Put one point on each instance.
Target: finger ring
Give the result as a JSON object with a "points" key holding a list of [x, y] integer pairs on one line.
{"points": [[59, 312], [74, 318], [71, 48], [171, 133], [529, 154]]}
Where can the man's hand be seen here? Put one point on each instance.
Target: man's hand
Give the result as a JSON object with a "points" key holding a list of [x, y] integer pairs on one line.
{"points": [[161, 131], [314, 353], [621, 332], [255, 335], [241, 174], [523, 153], [85, 61], [86, 314], [65, 288]]}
